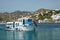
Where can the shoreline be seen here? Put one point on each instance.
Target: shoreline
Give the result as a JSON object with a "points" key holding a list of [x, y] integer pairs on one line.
{"points": [[2, 23]]}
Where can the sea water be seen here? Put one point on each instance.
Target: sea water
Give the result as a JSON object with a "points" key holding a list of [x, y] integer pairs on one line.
{"points": [[44, 31]]}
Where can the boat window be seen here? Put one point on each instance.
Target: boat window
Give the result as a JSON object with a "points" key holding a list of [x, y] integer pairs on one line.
{"points": [[17, 24], [10, 24], [26, 19], [20, 20], [29, 19]]}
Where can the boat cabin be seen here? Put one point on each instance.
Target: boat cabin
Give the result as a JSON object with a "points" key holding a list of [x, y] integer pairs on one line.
{"points": [[12, 24], [25, 21], [21, 22]]}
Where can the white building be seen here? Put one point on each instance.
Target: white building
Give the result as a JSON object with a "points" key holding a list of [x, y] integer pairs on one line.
{"points": [[40, 21], [43, 21], [55, 17]]}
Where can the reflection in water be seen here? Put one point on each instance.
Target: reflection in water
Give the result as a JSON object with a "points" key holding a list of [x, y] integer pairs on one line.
{"points": [[56, 34], [11, 35], [49, 34], [15, 35], [43, 32]]}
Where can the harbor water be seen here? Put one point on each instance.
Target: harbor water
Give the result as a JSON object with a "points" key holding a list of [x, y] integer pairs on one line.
{"points": [[44, 31]]}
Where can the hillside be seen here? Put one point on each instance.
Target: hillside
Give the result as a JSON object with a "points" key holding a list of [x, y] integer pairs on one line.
{"points": [[43, 13]]}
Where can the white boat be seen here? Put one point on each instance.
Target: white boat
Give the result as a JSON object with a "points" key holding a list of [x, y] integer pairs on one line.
{"points": [[23, 24]]}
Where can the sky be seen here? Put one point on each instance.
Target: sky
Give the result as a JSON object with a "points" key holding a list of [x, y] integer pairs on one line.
{"points": [[28, 5]]}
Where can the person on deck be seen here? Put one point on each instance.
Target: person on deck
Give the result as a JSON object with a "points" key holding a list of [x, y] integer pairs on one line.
{"points": [[35, 24]]}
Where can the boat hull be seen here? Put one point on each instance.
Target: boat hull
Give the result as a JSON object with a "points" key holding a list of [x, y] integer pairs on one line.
{"points": [[21, 28]]}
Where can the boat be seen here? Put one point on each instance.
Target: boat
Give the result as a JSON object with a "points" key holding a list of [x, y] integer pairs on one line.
{"points": [[23, 24]]}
